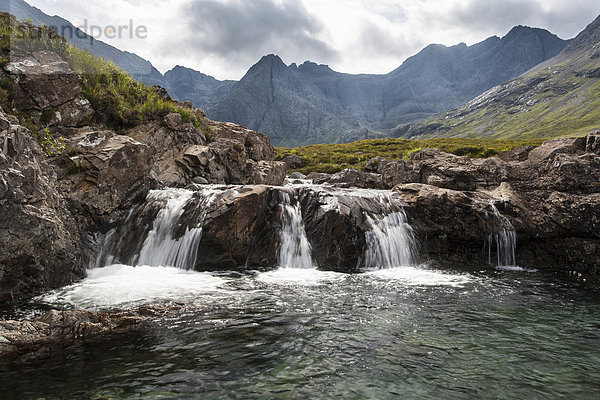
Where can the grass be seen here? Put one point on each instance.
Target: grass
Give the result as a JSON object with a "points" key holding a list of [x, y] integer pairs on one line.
{"points": [[332, 158], [119, 101]]}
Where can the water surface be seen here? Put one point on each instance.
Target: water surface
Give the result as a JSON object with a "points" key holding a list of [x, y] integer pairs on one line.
{"points": [[409, 333]]}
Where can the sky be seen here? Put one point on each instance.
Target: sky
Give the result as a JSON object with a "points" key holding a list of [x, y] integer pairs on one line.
{"points": [[223, 38]]}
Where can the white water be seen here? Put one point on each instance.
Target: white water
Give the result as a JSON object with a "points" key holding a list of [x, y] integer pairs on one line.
{"points": [[295, 250], [414, 276], [505, 241], [123, 285], [160, 247], [390, 242]]}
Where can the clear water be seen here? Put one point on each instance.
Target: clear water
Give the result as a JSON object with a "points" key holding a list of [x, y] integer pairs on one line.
{"points": [[408, 333]]}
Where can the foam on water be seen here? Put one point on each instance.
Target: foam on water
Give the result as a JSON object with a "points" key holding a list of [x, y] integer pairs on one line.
{"points": [[415, 276], [299, 276], [124, 286]]}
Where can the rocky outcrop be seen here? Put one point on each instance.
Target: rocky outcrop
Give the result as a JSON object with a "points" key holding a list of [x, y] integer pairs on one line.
{"points": [[46, 89], [39, 238], [64, 327]]}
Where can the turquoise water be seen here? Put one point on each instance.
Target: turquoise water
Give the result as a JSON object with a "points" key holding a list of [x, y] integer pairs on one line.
{"points": [[406, 333]]}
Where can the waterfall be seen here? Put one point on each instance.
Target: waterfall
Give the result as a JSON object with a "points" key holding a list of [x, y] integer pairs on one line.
{"points": [[161, 248], [152, 234], [390, 242], [295, 250], [505, 241]]}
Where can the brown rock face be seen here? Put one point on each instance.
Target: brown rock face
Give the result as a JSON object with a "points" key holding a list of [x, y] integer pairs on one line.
{"points": [[39, 239], [48, 89]]}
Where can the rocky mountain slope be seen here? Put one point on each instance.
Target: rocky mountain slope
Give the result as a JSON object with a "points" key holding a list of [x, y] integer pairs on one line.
{"points": [[311, 103], [201, 89], [559, 97], [136, 66]]}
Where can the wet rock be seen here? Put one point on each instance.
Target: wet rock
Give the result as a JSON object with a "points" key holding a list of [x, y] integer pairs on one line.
{"points": [[242, 229], [297, 175], [64, 327], [200, 180]]}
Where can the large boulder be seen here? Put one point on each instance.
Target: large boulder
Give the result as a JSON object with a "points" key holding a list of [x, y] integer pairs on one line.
{"points": [[38, 236], [47, 89], [109, 174]]}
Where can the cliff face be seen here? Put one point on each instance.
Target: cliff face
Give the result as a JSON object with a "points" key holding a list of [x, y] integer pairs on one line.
{"points": [[194, 86], [311, 103]]}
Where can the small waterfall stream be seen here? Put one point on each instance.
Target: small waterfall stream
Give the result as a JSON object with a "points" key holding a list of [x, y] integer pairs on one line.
{"points": [[504, 241], [390, 242], [295, 250], [160, 247]]}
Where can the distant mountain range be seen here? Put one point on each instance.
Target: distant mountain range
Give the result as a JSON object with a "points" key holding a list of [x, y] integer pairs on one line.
{"points": [[311, 103], [556, 98]]}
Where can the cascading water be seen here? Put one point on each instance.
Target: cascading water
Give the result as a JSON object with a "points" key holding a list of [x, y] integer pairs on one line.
{"points": [[160, 247], [295, 250], [390, 242], [504, 240], [164, 244]]}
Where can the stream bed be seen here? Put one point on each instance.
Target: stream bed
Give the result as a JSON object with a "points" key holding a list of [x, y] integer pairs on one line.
{"points": [[409, 333]]}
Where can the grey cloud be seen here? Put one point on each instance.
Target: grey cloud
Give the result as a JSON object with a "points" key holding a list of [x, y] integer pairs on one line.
{"points": [[565, 19], [242, 30]]}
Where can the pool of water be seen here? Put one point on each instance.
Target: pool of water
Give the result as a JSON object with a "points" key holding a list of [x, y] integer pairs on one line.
{"points": [[410, 333]]}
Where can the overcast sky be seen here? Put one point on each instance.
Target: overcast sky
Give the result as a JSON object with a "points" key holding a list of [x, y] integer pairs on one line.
{"points": [[224, 38]]}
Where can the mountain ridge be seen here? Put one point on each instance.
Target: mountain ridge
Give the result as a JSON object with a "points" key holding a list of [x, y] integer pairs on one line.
{"points": [[366, 105], [558, 97]]}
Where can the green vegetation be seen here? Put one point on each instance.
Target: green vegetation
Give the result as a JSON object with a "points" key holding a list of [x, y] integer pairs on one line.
{"points": [[331, 158], [561, 100], [119, 102]]}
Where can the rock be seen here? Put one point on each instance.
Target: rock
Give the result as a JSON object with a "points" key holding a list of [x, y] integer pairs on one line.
{"points": [[39, 238], [267, 173], [550, 148], [516, 155], [593, 142], [256, 145], [376, 164], [297, 175], [47, 89], [64, 327], [293, 161], [116, 174], [352, 178], [200, 180], [173, 121], [241, 230]]}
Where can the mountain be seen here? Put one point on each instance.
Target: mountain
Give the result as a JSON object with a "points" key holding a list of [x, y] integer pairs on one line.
{"points": [[312, 103], [275, 99], [556, 98], [136, 66], [190, 85]]}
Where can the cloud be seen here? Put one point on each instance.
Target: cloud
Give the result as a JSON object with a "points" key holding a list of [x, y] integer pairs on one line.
{"points": [[224, 38], [243, 31]]}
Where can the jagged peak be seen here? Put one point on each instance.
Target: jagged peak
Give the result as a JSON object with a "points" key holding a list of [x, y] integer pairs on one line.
{"points": [[590, 36]]}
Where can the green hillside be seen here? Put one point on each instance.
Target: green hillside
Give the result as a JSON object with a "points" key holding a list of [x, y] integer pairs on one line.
{"points": [[560, 97]]}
